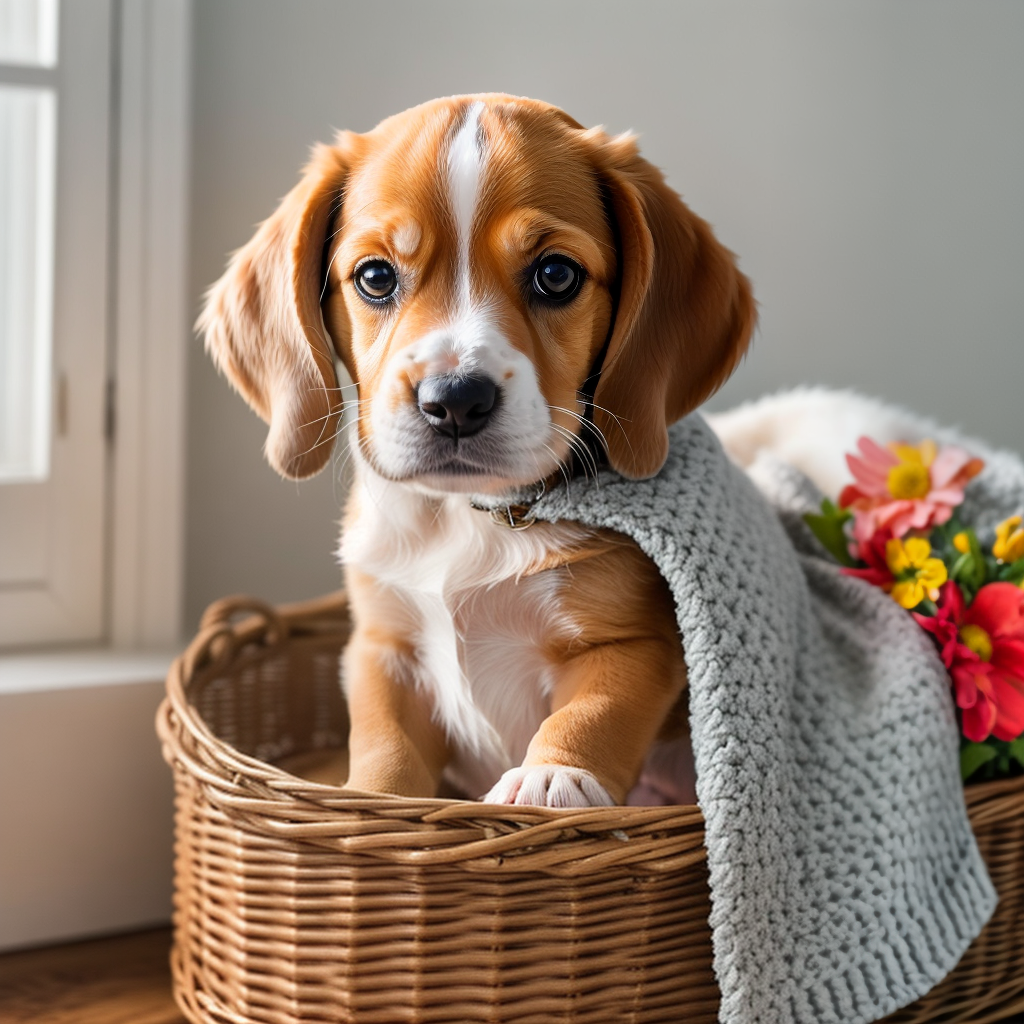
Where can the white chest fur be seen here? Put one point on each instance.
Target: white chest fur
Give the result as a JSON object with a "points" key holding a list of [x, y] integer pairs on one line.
{"points": [[480, 626]]}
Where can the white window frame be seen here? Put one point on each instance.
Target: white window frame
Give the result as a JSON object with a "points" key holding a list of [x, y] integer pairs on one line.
{"points": [[153, 326]]}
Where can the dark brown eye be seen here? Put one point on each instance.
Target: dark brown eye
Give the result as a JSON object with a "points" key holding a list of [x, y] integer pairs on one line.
{"points": [[557, 278], [376, 280]]}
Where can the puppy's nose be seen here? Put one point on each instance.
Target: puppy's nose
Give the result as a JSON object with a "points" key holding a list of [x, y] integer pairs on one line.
{"points": [[457, 405]]}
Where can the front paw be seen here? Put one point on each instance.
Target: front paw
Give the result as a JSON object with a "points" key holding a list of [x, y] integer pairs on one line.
{"points": [[549, 785]]}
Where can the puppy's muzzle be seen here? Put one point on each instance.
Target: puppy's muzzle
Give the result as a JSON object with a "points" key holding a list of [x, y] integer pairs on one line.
{"points": [[455, 405]]}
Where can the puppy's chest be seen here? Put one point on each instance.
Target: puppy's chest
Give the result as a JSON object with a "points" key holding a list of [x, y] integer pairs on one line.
{"points": [[483, 622]]}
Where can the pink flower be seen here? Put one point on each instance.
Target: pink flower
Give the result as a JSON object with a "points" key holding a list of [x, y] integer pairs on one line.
{"points": [[982, 645], [905, 487]]}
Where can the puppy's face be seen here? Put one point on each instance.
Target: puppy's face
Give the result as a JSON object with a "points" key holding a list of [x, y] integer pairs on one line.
{"points": [[470, 291], [473, 262]]}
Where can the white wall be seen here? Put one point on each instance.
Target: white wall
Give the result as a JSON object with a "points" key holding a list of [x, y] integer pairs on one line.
{"points": [[865, 160]]}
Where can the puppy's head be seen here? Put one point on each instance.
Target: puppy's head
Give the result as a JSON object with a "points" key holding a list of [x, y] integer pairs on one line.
{"points": [[478, 263]]}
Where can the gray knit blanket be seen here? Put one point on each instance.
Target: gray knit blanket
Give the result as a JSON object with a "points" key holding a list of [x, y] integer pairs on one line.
{"points": [[845, 879]]}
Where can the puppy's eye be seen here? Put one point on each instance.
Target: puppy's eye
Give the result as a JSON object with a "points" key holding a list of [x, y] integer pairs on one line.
{"points": [[557, 278], [376, 280]]}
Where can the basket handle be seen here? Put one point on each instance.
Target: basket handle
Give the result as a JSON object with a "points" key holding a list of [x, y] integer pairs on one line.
{"points": [[220, 614]]}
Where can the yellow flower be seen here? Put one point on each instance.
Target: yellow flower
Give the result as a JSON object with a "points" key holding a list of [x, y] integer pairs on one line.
{"points": [[977, 640], [917, 574], [962, 542], [1009, 545], [909, 478]]}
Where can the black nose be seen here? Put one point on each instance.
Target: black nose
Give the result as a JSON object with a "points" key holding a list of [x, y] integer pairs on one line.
{"points": [[457, 405]]}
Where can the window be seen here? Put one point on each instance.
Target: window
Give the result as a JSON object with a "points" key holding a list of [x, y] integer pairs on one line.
{"points": [[94, 129], [54, 192], [27, 141]]}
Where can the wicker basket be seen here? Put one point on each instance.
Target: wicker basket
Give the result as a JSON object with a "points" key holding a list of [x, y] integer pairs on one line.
{"points": [[302, 902]]}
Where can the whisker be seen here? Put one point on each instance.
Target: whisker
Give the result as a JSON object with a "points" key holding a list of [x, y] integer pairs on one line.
{"points": [[356, 402], [618, 421], [585, 457], [313, 422], [334, 435], [583, 421], [327, 273], [558, 461], [320, 441], [341, 387], [577, 444], [340, 413]]}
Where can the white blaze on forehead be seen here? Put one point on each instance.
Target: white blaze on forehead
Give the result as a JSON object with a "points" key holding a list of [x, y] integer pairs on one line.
{"points": [[466, 339], [406, 237], [465, 162]]}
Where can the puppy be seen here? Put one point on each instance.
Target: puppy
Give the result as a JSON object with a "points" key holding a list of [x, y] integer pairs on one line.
{"points": [[517, 300]]}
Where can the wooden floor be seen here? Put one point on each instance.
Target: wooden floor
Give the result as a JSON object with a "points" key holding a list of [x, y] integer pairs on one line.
{"points": [[123, 980]]}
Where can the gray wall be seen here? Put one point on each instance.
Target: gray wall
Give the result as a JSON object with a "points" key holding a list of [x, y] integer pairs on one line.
{"points": [[865, 160]]}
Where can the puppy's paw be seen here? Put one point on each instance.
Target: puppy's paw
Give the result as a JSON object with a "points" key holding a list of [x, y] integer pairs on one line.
{"points": [[549, 785]]}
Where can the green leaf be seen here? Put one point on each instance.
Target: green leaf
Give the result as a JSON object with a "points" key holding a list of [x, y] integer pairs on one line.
{"points": [[970, 568], [828, 528], [973, 756], [991, 569], [1017, 750], [942, 536], [961, 567], [978, 557], [1013, 573]]}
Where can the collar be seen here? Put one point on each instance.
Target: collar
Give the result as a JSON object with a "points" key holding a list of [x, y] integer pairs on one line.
{"points": [[516, 512]]}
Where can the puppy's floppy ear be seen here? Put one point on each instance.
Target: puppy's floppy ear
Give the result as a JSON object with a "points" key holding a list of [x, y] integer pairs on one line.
{"points": [[685, 313], [263, 325]]}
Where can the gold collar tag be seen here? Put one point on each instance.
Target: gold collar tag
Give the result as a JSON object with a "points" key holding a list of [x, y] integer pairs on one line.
{"points": [[514, 516]]}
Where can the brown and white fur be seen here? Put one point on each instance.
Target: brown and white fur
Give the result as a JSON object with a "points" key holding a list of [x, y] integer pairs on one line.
{"points": [[537, 666]]}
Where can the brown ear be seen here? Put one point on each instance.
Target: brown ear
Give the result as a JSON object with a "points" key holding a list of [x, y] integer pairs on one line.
{"points": [[685, 313], [263, 325]]}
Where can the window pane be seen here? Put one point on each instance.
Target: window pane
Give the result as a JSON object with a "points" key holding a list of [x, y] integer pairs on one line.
{"points": [[28, 32], [27, 151]]}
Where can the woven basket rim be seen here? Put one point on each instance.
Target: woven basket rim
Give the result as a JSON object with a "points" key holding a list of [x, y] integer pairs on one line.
{"points": [[239, 779]]}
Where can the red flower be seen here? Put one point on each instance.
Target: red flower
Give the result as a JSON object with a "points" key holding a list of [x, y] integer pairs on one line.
{"points": [[982, 645], [872, 551]]}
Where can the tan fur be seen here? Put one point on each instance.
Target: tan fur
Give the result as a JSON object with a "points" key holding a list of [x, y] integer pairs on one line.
{"points": [[448, 606], [399, 747], [685, 316], [264, 328], [620, 679]]}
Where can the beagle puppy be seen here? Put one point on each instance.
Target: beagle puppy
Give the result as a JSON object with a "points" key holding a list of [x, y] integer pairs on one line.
{"points": [[516, 300]]}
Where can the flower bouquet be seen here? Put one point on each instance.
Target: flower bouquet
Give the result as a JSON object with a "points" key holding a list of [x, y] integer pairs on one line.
{"points": [[896, 527]]}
